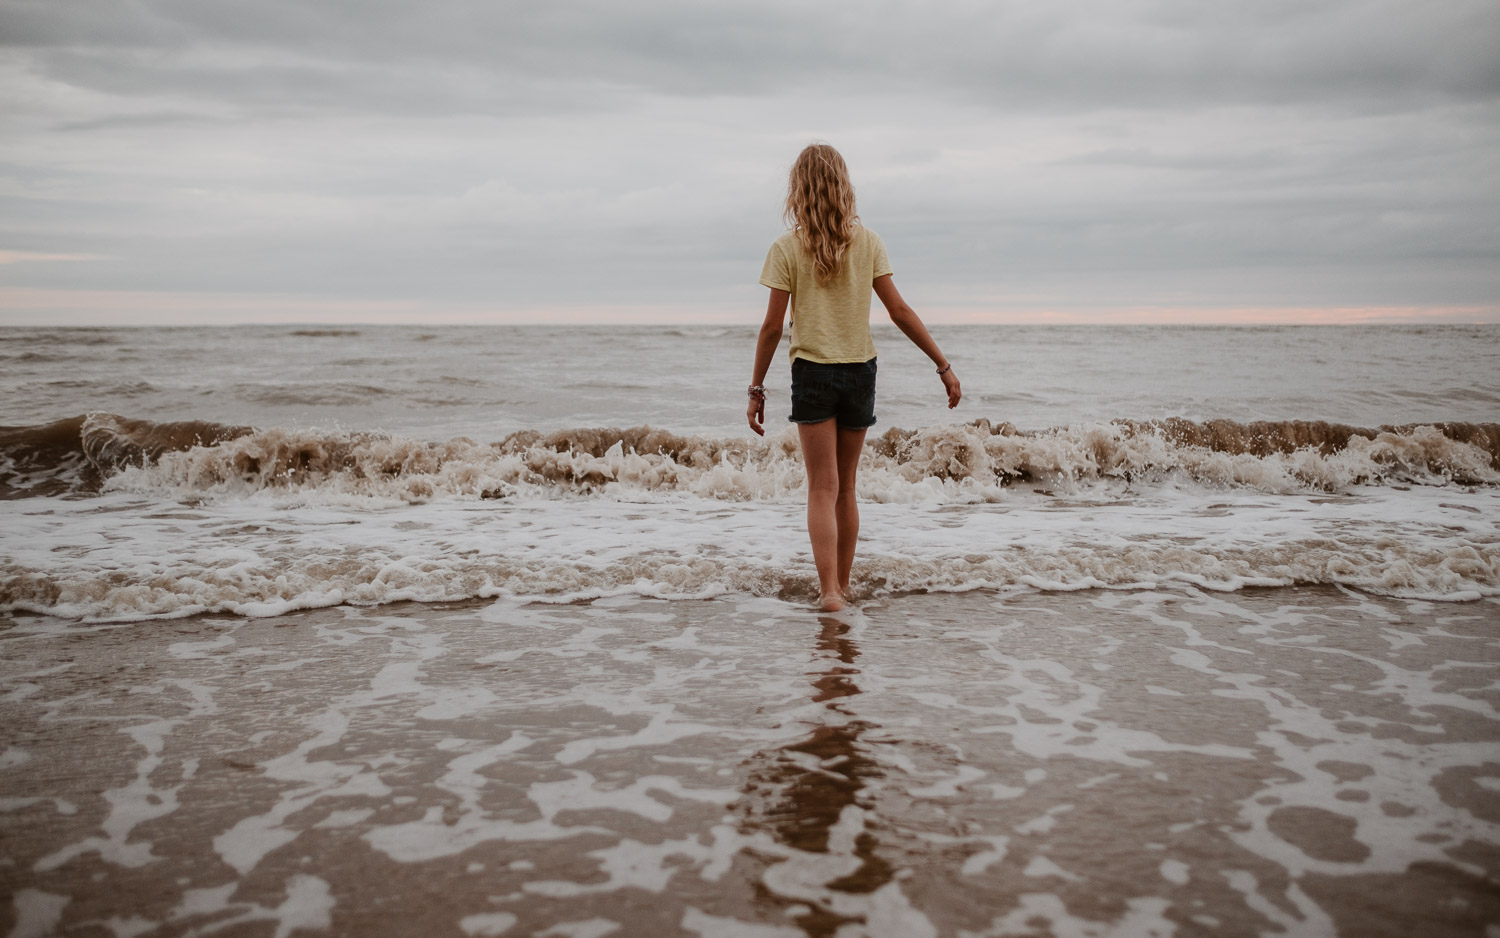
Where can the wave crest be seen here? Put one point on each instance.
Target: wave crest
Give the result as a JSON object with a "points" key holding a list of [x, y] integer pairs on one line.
{"points": [[1271, 456], [276, 585], [971, 462]]}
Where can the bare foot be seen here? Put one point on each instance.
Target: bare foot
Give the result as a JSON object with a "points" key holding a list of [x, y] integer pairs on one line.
{"points": [[830, 602]]}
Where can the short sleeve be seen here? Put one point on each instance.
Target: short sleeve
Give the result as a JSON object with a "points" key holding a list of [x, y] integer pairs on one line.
{"points": [[881, 263], [777, 272]]}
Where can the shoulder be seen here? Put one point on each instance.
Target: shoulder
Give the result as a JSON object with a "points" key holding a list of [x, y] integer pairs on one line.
{"points": [[783, 250], [874, 248], [865, 239]]}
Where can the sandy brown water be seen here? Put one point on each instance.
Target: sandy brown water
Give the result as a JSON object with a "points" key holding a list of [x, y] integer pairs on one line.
{"points": [[1305, 761]]}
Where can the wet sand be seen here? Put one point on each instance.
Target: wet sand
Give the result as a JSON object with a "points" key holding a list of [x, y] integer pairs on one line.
{"points": [[1279, 761]]}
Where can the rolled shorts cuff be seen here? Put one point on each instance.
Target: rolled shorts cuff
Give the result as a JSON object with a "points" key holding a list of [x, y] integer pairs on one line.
{"points": [[842, 426]]}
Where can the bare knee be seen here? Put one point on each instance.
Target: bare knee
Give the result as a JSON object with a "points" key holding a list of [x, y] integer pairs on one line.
{"points": [[823, 488]]}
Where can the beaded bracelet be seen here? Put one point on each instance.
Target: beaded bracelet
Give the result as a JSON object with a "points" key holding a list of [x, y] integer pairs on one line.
{"points": [[945, 369], [757, 391]]}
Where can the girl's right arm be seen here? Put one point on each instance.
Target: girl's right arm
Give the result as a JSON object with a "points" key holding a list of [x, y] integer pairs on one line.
{"points": [[765, 350], [907, 321]]}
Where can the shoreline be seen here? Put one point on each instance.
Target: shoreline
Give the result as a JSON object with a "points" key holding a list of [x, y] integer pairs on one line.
{"points": [[1191, 762]]}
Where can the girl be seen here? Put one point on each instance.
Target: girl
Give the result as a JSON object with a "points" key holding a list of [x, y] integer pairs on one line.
{"points": [[826, 266]]}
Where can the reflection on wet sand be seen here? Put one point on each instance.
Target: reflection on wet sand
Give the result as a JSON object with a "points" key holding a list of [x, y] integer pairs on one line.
{"points": [[809, 788], [1150, 763]]}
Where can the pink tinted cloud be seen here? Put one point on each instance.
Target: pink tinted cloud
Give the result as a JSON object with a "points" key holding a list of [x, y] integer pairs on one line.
{"points": [[31, 306], [1236, 315], [24, 257]]}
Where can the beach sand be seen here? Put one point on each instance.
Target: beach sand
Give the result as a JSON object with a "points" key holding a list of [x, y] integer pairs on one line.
{"points": [[1308, 761]]}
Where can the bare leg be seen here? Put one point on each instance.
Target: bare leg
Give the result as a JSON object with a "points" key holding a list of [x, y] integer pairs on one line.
{"points": [[850, 444], [820, 456]]}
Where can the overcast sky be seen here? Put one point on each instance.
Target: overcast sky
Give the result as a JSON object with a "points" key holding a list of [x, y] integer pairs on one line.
{"points": [[456, 160]]}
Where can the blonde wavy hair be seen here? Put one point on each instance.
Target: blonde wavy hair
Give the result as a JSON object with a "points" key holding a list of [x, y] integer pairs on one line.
{"points": [[820, 207]]}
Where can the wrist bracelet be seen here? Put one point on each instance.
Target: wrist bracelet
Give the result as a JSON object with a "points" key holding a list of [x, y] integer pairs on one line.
{"points": [[945, 369], [757, 391]]}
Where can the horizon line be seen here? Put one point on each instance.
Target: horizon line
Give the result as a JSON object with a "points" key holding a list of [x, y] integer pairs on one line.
{"points": [[22, 306], [721, 324]]}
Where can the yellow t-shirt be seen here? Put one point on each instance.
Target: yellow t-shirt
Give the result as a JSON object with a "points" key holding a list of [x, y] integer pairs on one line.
{"points": [[830, 321]]}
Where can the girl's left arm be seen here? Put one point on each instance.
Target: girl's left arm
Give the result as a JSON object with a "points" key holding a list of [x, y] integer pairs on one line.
{"points": [[765, 350], [907, 320]]}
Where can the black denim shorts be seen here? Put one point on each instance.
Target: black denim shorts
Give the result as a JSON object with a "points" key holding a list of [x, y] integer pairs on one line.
{"points": [[844, 391]]}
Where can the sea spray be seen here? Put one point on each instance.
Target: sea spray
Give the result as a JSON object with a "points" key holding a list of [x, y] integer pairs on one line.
{"points": [[171, 519], [124, 556], [969, 462]]}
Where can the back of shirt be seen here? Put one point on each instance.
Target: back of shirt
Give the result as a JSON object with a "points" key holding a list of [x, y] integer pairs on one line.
{"points": [[830, 321]]}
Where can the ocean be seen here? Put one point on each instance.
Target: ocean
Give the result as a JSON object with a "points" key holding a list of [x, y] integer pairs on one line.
{"points": [[508, 630], [380, 464]]}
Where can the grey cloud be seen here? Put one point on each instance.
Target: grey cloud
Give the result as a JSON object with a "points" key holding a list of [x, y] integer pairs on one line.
{"points": [[541, 153], [260, 87], [1261, 160], [1079, 55], [155, 119]]}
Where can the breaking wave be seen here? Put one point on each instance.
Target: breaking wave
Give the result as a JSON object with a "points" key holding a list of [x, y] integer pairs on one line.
{"points": [[76, 454], [369, 577], [971, 462], [279, 519]]}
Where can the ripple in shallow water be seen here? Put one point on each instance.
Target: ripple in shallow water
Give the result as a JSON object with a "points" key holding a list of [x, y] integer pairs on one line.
{"points": [[1154, 762]]}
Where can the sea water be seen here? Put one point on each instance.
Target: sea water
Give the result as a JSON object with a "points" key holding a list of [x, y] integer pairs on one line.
{"points": [[166, 472], [1064, 702]]}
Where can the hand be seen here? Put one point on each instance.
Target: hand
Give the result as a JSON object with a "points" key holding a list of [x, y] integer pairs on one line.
{"points": [[756, 414], [950, 383]]}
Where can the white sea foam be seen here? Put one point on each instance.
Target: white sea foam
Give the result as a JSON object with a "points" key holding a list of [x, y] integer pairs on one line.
{"points": [[128, 556], [963, 463], [198, 517], [1323, 734]]}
